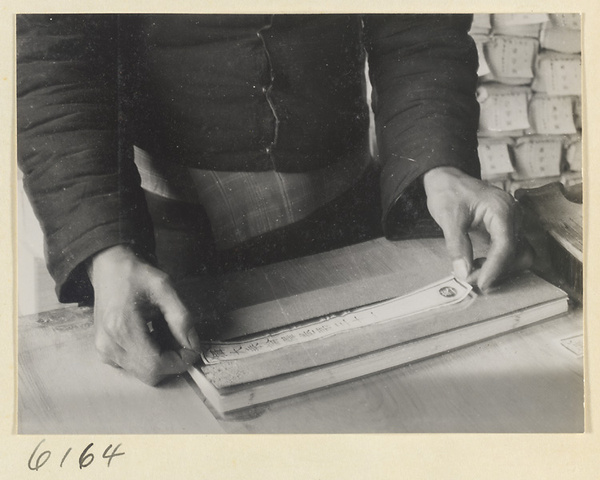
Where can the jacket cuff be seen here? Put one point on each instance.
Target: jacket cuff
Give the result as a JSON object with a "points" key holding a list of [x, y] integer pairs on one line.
{"points": [[70, 272], [403, 198]]}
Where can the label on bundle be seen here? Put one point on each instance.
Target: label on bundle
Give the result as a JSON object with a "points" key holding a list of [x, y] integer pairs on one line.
{"points": [[445, 292]]}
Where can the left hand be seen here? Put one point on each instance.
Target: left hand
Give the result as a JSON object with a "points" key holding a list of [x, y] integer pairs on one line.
{"points": [[458, 203]]}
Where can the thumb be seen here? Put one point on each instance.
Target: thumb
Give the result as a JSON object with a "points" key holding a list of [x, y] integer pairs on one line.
{"points": [[177, 316]]}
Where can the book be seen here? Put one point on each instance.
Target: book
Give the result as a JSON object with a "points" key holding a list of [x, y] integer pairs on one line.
{"points": [[511, 59], [560, 213], [538, 156], [560, 39], [557, 73], [552, 115], [397, 340], [504, 109], [495, 157]]}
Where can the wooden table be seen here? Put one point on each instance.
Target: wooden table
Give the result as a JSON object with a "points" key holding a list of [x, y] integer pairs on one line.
{"points": [[527, 381]]}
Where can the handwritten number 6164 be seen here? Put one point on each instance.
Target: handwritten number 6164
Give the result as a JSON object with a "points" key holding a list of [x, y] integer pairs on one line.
{"points": [[38, 459]]}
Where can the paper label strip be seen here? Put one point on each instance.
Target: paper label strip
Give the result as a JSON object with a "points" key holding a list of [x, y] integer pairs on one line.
{"points": [[444, 292]]}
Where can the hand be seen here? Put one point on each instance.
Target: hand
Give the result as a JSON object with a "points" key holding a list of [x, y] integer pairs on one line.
{"points": [[458, 203], [128, 292]]}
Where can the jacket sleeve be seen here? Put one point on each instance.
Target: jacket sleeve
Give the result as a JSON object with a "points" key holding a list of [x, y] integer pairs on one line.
{"points": [[424, 74], [72, 143]]}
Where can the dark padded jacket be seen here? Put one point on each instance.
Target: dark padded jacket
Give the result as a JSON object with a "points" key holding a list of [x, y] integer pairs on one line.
{"points": [[227, 92]]}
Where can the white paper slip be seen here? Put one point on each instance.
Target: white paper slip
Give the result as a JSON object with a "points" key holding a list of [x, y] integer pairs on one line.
{"points": [[574, 344], [484, 68], [482, 24], [445, 292]]}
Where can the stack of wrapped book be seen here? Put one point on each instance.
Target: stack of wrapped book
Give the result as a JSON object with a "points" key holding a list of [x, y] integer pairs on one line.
{"points": [[530, 97]]}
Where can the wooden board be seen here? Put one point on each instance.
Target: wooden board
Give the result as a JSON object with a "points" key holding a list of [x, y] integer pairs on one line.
{"points": [[527, 381], [316, 285]]}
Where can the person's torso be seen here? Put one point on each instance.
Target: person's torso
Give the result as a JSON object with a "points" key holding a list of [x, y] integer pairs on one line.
{"points": [[248, 92]]}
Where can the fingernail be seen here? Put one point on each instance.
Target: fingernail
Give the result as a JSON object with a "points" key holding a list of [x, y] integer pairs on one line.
{"points": [[461, 270], [194, 340]]}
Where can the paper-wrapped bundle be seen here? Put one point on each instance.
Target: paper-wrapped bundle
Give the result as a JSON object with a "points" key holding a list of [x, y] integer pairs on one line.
{"points": [[504, 110], [557, 74]]}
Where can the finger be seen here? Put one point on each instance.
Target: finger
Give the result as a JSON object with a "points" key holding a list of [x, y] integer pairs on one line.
{"points": [[474, 275], [109, 352], [177, 316], [499, 225], [155, 368], [138, 352], [459, 246]]}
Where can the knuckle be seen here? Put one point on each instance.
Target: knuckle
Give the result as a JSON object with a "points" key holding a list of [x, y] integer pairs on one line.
{"points": [[159, 281], [503, 205]]}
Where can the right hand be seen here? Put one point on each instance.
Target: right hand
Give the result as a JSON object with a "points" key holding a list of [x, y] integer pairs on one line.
{"points": [[127, 291], [459, 203]]}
